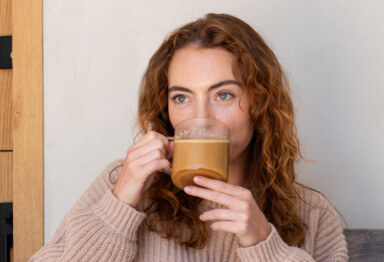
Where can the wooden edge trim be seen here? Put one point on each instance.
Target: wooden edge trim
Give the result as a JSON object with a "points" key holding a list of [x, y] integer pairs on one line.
{"points": [[27, 104]]}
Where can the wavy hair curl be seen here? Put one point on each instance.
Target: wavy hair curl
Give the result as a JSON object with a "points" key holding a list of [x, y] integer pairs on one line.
{"points": [[274, 147]]}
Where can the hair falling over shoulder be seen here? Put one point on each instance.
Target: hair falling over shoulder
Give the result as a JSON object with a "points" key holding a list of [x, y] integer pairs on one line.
{"points": [[274, 148]]}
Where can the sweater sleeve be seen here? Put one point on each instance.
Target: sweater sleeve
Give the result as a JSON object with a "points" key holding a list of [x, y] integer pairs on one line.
{"points": [[325, 239], [273, 249], [99, 227]]}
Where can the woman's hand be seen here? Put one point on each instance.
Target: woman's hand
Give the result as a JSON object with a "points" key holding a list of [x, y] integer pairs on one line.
{"points": [[243, 217], [143, 159]]}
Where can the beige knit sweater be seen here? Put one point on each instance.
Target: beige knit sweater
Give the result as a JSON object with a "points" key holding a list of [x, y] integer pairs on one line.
{"points": [[102, 228]]}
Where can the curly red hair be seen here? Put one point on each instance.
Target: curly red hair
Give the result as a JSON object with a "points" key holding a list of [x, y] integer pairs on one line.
{"points": [[274, 148]]}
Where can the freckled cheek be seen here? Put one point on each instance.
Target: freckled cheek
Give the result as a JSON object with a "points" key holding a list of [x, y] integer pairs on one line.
{"points": [[230, 117], [240, 131], [176, 115]]}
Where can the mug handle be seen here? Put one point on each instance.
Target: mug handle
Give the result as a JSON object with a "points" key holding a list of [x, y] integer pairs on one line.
{"points": [[167, 171]]}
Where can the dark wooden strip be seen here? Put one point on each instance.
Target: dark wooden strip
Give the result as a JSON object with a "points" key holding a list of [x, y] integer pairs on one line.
{"points": [[365, 244]]}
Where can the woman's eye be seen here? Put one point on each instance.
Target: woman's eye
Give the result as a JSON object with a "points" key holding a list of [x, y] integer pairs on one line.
{"points": [[224, 96], [180, 98]]}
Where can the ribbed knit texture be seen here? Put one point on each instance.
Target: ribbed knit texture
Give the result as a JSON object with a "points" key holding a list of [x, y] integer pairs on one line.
{"points": [[100, 227]]}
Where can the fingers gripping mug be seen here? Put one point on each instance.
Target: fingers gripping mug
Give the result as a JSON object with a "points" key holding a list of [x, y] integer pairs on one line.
{"points": [[201, 148]]}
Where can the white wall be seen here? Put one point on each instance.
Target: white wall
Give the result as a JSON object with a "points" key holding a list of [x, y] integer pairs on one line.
{"points": [[95, 53]]}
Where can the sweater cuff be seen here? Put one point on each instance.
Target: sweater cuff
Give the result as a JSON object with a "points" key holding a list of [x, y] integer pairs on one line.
{"points": [[271, 249], [120, 216]]}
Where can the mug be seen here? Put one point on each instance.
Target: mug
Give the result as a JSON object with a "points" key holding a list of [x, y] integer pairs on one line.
{"points": [[201, 148]]}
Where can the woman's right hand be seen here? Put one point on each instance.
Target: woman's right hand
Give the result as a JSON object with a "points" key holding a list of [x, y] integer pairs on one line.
{"points": [[143, 159]]}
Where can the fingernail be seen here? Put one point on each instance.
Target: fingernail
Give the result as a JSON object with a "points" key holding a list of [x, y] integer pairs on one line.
{"points": [[197, 179], [187, 189]]}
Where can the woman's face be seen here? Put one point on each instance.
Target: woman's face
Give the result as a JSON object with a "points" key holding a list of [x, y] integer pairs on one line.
{"points": [[201, 83]]}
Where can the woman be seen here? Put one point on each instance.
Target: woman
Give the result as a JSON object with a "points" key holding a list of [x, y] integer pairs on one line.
{"points": [[216, 67]]}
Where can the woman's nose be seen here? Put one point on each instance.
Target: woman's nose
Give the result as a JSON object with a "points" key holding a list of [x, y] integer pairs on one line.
{"points": [[203, 109]]}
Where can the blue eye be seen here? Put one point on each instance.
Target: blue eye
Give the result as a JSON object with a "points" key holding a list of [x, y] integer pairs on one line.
{"points": [[180, 98], [223, 96]]}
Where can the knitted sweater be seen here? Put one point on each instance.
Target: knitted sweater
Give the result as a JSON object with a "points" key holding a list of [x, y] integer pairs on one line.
{"points": [[100, 227]]}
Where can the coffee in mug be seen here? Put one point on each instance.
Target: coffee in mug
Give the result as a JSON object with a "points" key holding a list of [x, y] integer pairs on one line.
{"points": [[201, 148]]}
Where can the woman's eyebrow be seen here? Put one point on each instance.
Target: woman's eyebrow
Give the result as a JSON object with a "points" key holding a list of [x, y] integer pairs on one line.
{"points": [[179, 88], [221, 83]]}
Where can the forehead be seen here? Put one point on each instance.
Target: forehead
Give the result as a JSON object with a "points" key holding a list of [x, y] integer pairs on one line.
{"points": [[200, 66]]}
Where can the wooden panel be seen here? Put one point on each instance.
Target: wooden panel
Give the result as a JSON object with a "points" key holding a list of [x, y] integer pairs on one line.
{"points": [[5, 109], [5, 17], [6, 112], [27, 110], [5, 177], [5, 82], [365, 245]]}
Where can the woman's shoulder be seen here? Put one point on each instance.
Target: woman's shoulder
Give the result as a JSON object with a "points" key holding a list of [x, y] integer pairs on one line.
{"points": [[325, 233], [314, 208], [310, 199]]}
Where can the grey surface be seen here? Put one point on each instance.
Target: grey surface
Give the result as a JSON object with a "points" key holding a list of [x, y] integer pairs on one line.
{"points": [[365, 244]]}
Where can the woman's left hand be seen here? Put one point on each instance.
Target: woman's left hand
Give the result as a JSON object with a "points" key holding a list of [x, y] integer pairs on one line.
{"points": [[242, 217]]}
